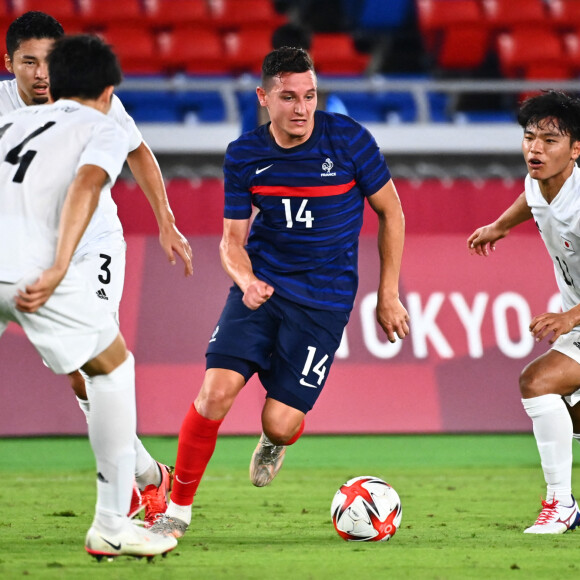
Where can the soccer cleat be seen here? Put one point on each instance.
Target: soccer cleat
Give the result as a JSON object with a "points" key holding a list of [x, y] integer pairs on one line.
{"points": [[132, 540], [154, 498], [555, 518], [136, 503], [168, 526], [266, 462]]}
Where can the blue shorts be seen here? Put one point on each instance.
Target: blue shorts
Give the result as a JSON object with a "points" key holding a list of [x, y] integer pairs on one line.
{"points": [[290, 346]]}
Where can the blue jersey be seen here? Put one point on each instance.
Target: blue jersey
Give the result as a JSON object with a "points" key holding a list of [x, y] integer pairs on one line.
{"points": [[304, 239]]}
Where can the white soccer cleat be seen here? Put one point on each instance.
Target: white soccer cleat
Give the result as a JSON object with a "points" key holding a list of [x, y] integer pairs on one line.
{"points": [[555, 518], [131, 540], [266, 462]]}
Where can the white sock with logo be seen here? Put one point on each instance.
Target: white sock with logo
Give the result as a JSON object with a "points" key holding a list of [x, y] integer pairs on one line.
{"points": [[112, 436], [553, 432]]}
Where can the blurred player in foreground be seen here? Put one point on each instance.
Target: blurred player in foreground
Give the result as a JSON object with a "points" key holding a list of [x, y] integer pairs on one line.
{"points": [[309, 173], [551, 146], [100, 255], [56, 159]]}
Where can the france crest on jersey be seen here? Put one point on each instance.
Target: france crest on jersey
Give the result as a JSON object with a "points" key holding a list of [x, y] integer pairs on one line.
{"points": [[304, 239]]}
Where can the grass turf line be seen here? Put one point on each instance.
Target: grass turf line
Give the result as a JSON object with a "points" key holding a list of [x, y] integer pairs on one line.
{"points": [[466, 500]]}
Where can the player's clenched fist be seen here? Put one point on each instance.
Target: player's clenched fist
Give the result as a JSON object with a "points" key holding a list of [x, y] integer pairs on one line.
{"points": [[256, 294]]}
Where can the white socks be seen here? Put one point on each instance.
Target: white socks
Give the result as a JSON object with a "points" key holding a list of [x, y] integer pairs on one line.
{"points": [[112, 435], [182, 512], [147, 471], [553, 432], [146, 468]]}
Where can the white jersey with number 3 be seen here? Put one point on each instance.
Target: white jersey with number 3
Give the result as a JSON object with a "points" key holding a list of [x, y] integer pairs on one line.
{"points": [[41, 149], [559, 225]]}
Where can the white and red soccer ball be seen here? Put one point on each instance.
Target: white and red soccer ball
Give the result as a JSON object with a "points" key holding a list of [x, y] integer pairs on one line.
{"points": [[366, 509]]}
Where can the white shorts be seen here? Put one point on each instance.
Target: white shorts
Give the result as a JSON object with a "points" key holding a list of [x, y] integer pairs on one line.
{"points": [[105, 271], [569, 344], [72, 328]]}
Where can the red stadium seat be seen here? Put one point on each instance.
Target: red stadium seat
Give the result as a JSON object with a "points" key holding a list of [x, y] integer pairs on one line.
{"points": [[136, 48], [164, 13], [572, 49], [454, 32], [335, 54], [438, 16], [247, 48], [521, 49], [233, 14], [98, 13], [193, 50], [463, 47], [565, 14], [505, 14], [63, 10]]}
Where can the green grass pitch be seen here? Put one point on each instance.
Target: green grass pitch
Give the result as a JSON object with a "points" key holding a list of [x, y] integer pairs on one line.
{"points": [[466, 500]]}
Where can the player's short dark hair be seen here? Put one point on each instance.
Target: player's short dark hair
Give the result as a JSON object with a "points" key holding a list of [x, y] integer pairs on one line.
{"points": [[82, 66], [30, 25], [557, 105], [285, 60]]}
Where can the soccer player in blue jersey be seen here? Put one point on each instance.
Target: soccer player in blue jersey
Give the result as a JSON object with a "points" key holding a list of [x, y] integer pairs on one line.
{"points": [[295, 277]]}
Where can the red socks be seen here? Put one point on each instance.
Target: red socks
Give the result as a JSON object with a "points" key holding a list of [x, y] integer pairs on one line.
{"points": [[197, 440]]}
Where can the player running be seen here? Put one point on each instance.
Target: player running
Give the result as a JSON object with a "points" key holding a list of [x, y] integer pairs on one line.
{"points": [[308, 173], [56, 160], [100, 256]]}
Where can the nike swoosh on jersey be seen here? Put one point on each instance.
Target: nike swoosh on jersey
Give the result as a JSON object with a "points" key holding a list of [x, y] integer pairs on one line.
{"points": [[258, 171], [305, 384]]}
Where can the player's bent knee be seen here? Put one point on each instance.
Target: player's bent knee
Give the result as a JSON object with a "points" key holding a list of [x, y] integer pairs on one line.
{"points": [[531, 384], [214, 403], [281, 433]]}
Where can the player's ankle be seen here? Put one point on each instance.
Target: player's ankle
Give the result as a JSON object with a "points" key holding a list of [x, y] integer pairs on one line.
{"points": [[182, 512]]}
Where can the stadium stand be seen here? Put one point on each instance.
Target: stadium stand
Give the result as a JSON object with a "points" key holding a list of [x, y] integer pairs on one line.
{"points": [[378, 46], [162, 14], [236, 14], [193, 50], [454, 33], [97, 13], [336, 54], [136, 47], [504, 15], [564, 14]]}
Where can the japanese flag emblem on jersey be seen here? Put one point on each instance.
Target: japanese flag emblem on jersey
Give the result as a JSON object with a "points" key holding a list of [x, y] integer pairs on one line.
{"points": [[566, 244]]}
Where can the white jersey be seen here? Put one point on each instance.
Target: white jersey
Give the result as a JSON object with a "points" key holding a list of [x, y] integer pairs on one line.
{"points": [[559, 225], [105, 230], [41, 149]]}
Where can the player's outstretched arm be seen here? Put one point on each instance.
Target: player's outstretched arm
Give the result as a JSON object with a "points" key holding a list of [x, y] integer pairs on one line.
{"points": [[482, 241], [145, 169], [238, 266], [80, 203], [391, 314], [554, 324]]}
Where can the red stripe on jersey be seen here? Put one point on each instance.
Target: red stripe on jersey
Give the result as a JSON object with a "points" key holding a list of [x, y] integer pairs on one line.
{"points": [[315, 191]]}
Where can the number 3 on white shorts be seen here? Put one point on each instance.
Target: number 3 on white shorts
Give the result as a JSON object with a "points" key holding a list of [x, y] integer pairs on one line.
{"points": [[319, 369]]}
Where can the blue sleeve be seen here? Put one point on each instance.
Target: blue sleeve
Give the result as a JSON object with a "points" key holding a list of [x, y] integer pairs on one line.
{"points": [[238, 198], [372, 171]]}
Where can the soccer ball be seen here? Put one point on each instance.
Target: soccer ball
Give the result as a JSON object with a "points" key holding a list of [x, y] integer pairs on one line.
{"points": [[366, 509]]}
